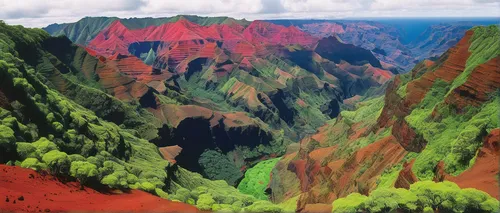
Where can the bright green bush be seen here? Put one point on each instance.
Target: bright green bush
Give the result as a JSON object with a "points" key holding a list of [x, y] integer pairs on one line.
{"points": [[350, 204], [257, 178], [33, 163], [57, 161], [27, 150], [83, 171], [181, 194], [387, 200], [43, 145], [423, 196], [161, 193], [116, 180], [263, 206], [7, 143], [147, 186], [205, 202]]}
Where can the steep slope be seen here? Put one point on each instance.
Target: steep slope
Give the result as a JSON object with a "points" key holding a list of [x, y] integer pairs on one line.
{"points": [[254, 67], [392, 41], [86, 29], [28, 191], [436, 39], [48, 124], [435, 123]]}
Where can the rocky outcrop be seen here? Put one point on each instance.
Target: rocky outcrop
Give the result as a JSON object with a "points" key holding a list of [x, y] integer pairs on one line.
{"points": [[406, 176], [231, 134], [483, 81], [483, 175]]}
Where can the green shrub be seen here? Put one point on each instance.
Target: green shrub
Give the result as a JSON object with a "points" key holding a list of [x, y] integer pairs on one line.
{"points": [[161, 193], [217, 166], [117, 180], [58, 162], [7, 143], [27, 150], [43, 145], [33, 163], [350, 204], [182, 194], [147, 186], [83, 171], [263, 206], [257, 178], [423, 196], [205, 202]]}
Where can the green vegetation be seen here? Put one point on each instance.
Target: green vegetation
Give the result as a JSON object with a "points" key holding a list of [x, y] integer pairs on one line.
{"points": [[217, 166], [215, 195], [451, 137], [483, 47], [422, 196], [83, 171], [367, 111], [257, 178], [387, 179], [86, 29]]}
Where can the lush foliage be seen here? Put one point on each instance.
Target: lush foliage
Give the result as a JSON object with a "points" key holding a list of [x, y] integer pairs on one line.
{"points": [[217, 166], [257, 179], [422, 196], [453, 137]]}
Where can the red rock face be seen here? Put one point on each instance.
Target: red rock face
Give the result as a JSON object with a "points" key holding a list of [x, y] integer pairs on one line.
{"points": [[406, 176], [116, 38], [24, 190], [117, 77], [483, 81], [170, 152], [483, 175], [448, 67], [316, 173]]}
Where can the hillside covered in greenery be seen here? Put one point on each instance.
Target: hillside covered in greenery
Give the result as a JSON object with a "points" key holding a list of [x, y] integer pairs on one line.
{"points": [[218, 128]]}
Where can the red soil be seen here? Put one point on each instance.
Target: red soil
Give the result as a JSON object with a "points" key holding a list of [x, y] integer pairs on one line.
{"points": [[406, 176], [483, 80], [484, 173], [118, 77], [24, 190]]}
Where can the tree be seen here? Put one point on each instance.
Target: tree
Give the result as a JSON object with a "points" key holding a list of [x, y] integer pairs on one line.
{"points": [[150, 58], [57, 161], [118, 180], [33, 163], [205, 202], [182, 195], [7, 143], [350, 204], [43, 145], [26, 150], [147, 186], [83, 171], [263, 206]]}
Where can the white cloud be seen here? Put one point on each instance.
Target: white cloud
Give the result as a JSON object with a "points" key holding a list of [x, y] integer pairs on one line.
{"points": [[39, 13]]}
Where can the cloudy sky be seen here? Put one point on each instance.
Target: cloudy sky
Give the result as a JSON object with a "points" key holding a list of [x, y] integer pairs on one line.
{"points": [[40, 13]]}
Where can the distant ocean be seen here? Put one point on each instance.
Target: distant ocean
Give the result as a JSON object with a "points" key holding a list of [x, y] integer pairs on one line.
{"points": [[412, 27]]}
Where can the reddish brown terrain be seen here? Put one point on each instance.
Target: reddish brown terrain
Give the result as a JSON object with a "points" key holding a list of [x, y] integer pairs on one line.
{"points": [[321, 169], [25, 190]]}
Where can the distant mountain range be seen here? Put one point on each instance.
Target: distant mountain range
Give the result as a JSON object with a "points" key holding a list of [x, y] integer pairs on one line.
{"points": [[250, 116]]}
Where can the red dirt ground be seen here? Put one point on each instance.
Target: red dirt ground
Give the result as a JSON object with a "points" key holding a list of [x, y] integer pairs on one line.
{"points": [[25, 190]]}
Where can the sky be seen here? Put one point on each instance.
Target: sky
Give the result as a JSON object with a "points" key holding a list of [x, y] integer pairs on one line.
{"points": [[40, 13]]}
